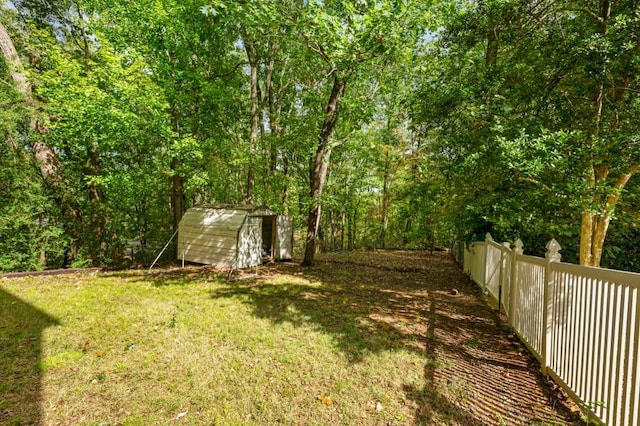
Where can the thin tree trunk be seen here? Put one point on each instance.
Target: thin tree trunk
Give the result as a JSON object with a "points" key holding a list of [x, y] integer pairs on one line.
{"points": [[384, 220], [253, 132], [350, 231], [318, 178], [285, 189], [274, 109], [97, 219], [258, 102], [354, 225], [177, 181], [491, 54], [320, 166], [177, 194], [343, 215]]}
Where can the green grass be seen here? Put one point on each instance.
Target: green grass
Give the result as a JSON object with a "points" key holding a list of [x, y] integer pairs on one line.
{"points": [[137, 349]]}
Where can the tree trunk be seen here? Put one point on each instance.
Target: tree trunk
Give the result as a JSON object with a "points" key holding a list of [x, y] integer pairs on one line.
{"points": [[594, 226], [177, 181], [354, 225], [177, 194], [351, 230], [285, 189], [15, 64], [274, 110], [384, 220], [97, 218], [320, 166], [491, 54], [253, 132], [343, 215], [318, 178], [45, 156]]}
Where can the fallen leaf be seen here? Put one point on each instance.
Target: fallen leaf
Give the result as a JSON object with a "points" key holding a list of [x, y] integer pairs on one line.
{"points": [[384, 325], [325, 400]]}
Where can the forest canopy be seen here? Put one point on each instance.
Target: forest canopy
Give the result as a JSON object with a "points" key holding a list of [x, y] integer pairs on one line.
{"points": [[374, 123]]}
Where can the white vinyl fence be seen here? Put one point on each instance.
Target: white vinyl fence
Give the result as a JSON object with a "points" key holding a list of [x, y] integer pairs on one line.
{"points": [[581, 323]]}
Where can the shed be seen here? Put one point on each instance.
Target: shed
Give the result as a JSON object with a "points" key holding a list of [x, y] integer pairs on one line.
{"points": [[234, 236]]}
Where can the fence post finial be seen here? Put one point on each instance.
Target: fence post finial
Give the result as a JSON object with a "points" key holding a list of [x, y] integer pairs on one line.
{"points": [[488, 237], [553, 256], [519, 246], [553, 251]]}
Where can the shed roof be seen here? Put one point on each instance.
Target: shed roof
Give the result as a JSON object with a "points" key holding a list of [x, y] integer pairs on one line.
{"points": [[251, 210], [228, 217]]}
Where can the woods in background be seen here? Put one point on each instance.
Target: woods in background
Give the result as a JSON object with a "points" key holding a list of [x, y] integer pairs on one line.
{"points": [[373, 123]]}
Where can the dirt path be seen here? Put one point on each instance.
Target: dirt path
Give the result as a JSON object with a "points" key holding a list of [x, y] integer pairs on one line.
{"points": [[476, 373]]}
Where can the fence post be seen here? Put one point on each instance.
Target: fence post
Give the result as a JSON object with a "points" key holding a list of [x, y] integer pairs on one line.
{"points": [[487, 239], [552, 255], [503, 260], [513, 290], [473, 259]]}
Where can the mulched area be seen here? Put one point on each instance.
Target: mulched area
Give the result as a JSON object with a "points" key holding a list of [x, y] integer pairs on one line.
{"points": [[476, 372]]}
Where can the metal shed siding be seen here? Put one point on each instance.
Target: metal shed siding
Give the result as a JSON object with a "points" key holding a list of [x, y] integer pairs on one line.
{"points": [[232, 237], [210, 236], [250, 243], [284, 238]]}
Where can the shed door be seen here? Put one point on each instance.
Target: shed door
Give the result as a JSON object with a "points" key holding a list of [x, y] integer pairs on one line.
{"points": [[284, 238], [250, 244]]}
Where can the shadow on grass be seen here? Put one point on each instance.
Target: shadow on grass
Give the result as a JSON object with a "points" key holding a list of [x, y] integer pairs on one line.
{"points": [[172, 276], [365, 309], [369, 308], [21, 327], [403, 301]]}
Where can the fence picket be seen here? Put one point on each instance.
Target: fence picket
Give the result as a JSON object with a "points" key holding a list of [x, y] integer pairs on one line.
{"points": [[634, 400], [582, 323], [628, 359], [513, 290], [591, 340]]}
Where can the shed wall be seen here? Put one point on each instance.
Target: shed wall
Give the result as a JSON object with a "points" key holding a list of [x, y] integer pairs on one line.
{"points": [[210, 236], [230, 237]]}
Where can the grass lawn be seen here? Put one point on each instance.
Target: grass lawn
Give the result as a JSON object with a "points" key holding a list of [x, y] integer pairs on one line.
{"points": [[190, 347]]}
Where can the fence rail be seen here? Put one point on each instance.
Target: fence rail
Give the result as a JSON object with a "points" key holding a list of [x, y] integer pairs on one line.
{"points": [[581, 323]]}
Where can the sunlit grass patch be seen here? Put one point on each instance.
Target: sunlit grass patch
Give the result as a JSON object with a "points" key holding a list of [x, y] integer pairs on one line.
{"points": [[132, 348]]}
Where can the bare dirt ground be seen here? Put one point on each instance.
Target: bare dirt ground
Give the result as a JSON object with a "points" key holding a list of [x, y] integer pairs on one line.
{"points": [[476, 373]]}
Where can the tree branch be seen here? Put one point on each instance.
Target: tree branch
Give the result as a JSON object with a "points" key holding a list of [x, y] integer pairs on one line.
{"points": [[534, 181], [226, 74]]}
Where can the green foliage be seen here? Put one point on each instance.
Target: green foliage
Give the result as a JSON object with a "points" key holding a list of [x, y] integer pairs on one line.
{"points": [[510, 106], [457, 120], [29, 238]]}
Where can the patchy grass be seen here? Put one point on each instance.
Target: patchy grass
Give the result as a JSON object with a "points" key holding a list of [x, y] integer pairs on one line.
{"points": [[136, 349], [346, 342]]}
